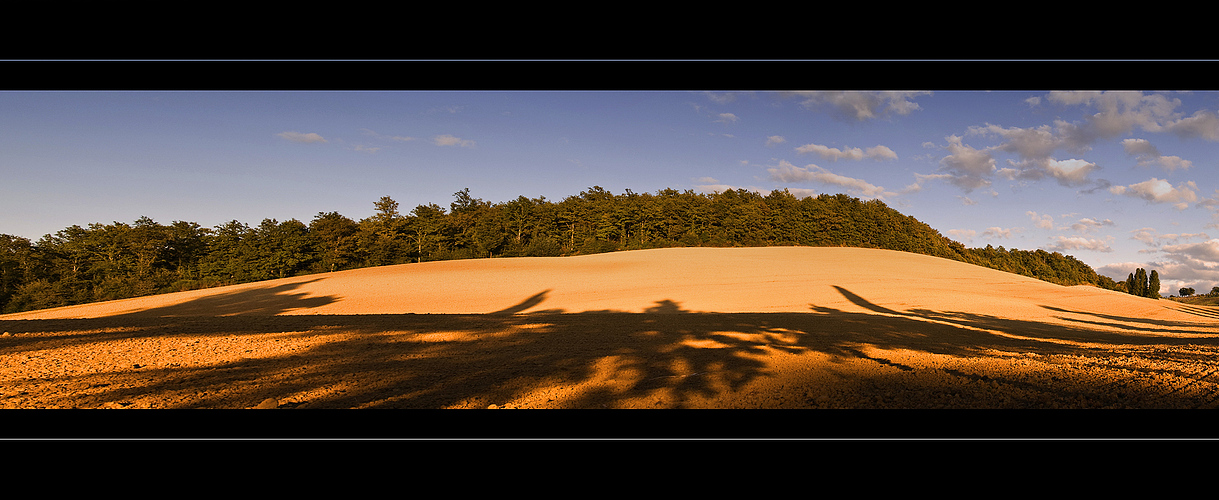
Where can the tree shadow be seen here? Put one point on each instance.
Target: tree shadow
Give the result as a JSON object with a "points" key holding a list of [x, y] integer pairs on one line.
{"points": [[255, 308], [258, 301], [665, 357], [524, 304], [1131, 319]]}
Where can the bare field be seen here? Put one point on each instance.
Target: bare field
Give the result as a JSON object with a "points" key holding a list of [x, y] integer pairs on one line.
{"points": [[731, 328]]}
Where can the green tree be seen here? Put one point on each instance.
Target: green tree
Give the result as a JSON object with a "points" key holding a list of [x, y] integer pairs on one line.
{"points": [[1153, 285], [380, 239], [186, 246], [1140, 282], [334, 238], [281, 248], [15, 259], [426, 227], [1185, 292], [230, 253]]}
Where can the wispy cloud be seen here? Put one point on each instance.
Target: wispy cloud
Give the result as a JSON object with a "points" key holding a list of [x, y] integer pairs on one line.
{"points": [[966, 234], [786, 172], [774, 140], [1044, 221], [712, 185], [998, 232], [299, 137], [1117, 113], [969, 168], [860, 106], [1073, 243], [877, 152], [1068, 173], [920, 179], [1152, 238], [448, 140], [1161, 191], [1147, 154], [1086, 225], [1203, 124]]}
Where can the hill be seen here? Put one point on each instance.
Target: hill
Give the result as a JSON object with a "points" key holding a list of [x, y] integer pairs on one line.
{"points": [[114, 261], [772, 327]]}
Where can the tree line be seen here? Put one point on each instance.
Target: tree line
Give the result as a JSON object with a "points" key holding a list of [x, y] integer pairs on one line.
{"points": [[120, 260]]}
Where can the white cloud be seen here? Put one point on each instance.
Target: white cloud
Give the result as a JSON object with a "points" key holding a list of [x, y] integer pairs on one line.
{"points": [[1086, 225], [1065, 244], [1204, 124], [711, 185], [1066, 172], [859, 105], [967, 234], [721, 98], [1147, 154], [1042, 221], [969, 167], [786, 172], [366, 149], [1139, 147], [1070, 172], [775, 139], [299, 137], [1203, 255], [919, 179], [1117, 113], [1036, 143], [1151, 238], [997, 232], [966, 201], [448, 140], [726, 118], [1160, 191], [1193, 264], [802, 193], [877, 152]]}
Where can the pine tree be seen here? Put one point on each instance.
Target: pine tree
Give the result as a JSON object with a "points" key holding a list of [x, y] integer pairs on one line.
{"points": [[1153, 285], [1140, 282]]}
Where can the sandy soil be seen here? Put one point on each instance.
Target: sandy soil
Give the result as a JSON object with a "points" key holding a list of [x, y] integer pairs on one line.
{"points": [[672, 328]]}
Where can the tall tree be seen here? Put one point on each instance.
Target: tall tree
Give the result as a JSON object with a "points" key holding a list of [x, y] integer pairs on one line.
{"points": [[1140, 282], [426, 226], [1153, 285], [334, 237]]}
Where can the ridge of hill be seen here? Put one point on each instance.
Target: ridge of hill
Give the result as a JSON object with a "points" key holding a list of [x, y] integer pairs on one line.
{"points": [[116, 261]]}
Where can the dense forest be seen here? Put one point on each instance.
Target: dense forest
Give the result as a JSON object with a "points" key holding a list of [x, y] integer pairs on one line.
{"points": [[120, 260]]}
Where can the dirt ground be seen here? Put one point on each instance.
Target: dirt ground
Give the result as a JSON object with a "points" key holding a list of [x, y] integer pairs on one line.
{"points": [[659, 329]]}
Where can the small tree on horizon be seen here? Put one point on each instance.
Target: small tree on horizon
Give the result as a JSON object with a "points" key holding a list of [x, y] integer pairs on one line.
{"points": [[1185, 292]]}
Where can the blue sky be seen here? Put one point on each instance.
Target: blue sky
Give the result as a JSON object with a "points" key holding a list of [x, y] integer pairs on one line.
{"points": [[1118, 179]]}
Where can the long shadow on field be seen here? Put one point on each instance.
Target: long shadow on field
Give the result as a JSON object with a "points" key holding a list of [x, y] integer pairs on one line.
{"points": [[253, 309], [666, 357]]}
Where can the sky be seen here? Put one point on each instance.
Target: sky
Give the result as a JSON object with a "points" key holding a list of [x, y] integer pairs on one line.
{"points": [[1118, 179]]}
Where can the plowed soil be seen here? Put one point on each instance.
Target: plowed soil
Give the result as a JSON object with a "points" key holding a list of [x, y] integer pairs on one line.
{"points": [[725, 328]]}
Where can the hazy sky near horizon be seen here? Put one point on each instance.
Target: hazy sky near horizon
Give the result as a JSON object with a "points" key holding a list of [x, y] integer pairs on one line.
{"points": [[1117, 179]]}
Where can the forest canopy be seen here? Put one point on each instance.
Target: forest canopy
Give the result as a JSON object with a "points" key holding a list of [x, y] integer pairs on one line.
{"points": [[119, 260]]}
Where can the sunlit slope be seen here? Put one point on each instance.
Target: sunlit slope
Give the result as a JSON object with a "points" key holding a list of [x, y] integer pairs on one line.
{"points": [[672, 280]]}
